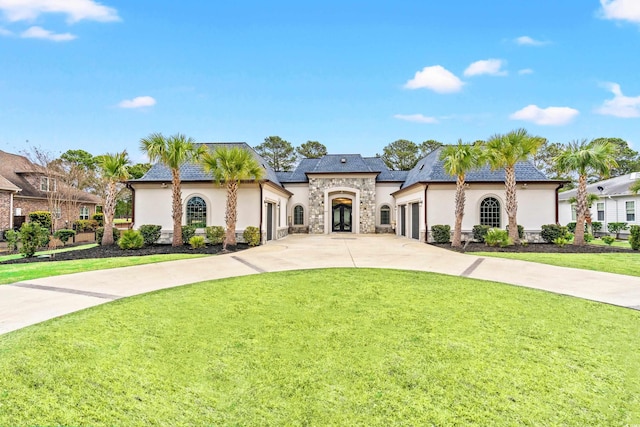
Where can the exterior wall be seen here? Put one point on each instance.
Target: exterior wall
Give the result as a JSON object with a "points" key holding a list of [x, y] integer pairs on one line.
{"points": [[69, 212], [360, 188], [407, 198], [6, 211], [300, 197], [279, 200], [384, 197], [614, 210]]}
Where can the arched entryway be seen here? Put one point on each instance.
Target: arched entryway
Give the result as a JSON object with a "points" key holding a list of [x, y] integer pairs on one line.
{"points": [[342, 215]]}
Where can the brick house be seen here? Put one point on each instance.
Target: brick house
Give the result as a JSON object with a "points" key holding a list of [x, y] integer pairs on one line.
{"points": [[26, 187]]}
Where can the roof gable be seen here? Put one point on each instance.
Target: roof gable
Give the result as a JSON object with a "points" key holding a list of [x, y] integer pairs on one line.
{"points": [[616, 186]]}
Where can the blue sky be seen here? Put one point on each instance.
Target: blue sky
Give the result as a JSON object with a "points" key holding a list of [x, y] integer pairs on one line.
{"points": [[354, 75]]}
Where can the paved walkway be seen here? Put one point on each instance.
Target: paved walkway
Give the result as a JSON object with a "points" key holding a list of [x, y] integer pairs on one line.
{"points": [[27, 303]]}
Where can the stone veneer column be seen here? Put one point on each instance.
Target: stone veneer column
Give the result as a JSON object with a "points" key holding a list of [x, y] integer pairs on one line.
{"points": [[366, 210]]}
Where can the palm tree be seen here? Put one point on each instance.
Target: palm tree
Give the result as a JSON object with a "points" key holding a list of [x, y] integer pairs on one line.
{"points": [[231, 165], [504, 151], [173, 152], [591, 199], [584, 157], [458, 160], [114, 171]]}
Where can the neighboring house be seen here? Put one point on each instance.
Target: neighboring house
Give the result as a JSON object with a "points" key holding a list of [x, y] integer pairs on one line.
{"points": [[615, 204], [26, 187], [348, 193]]}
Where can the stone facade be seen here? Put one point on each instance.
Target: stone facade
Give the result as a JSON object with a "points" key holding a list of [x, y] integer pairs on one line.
{"points": [[5, 211], [365, 186]]}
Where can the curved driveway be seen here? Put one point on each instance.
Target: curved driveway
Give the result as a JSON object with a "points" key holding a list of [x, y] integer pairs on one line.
{"points": [[27, 303]]}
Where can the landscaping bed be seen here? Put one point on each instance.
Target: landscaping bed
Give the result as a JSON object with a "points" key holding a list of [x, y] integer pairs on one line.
{"points": [[535, 248], [113, 251]]}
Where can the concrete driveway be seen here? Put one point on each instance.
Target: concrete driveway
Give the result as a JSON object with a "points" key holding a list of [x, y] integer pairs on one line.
{"points": [[27, 303]]}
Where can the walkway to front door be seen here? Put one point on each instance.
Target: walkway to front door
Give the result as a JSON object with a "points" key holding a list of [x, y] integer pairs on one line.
{"points": [[341, 215]]}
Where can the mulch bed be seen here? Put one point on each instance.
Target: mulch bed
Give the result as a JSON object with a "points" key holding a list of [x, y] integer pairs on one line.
{"points": [[535, 248], [113, 251]]}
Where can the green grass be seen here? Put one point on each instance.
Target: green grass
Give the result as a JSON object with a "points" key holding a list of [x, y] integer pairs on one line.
{"points": [[620, 263], [53, 251], [336, 347], [618, 243], [11, 273]]}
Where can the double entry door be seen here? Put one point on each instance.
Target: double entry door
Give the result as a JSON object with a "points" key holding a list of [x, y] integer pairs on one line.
{"points": [[341, 215]]}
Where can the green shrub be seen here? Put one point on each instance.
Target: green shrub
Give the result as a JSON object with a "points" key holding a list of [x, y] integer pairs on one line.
{"points": [[64, 235], [100, 233], [634, 238], [188, 231], [497, 237], [131, 239], [608, 240], [520, 231], [479, 231], [215, 234], [98, 218], [197, 242], [596, 226], [86, 225], [43, 218], [617, 227], [12, 238], [569, 236], [560, 241], [251, 235], [32, 236], [150, 233], [551, 232], [441, 233], [588, 237]]}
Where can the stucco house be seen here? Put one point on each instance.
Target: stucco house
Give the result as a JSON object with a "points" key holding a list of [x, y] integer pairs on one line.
{"points": [[616, 202], [25, 187], [348, 193]]}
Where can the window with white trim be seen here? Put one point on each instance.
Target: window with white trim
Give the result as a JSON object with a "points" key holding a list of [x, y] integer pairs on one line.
{"points": [[56, 212], [197, 212], [385, 215], [84, 212], [600, 210], [630, 207], [490, 212], [298, 215], [47, 184]]}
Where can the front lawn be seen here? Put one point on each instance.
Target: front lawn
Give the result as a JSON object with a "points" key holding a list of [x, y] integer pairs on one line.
{"points": [[12, 273], [627, 263], [328, 347]]}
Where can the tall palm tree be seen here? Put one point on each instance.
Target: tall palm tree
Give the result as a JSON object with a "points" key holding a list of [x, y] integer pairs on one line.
{"points": [[230, 166], [591, 199], [584, 157], [114, 171], [458, 160], [504, 151], [173, 151]]}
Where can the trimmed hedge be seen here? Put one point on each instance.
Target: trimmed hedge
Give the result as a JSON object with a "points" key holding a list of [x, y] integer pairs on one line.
{"points": [[215, 234], [441, 233], [479, 232], [64, 235], [251, 235], [32, 237], [86, 225], [188, 231], [42, 218], [150, 233], [551, 232], [634, 238]]}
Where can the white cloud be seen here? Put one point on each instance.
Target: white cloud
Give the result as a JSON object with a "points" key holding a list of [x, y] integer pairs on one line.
{"points": [[528, 41], [624, 10], [486, 66], [76, 10], [437, 78], [550, 116], [620, 105], [138, 102], [41, 33], [5, 32], [525, 71], [417, 118]]}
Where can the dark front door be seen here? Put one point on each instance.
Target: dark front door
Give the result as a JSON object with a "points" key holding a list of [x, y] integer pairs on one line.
{"points": [[415, 221], [18, 221], [269, 221], [341, 216], [403, 221]]}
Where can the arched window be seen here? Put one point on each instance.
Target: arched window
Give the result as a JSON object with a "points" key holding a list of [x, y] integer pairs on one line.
{"points": [[298, 215], [490, 212], [385, 215], [197, 212]]}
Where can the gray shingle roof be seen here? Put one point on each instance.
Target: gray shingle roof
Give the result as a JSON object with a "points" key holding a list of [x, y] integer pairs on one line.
{"points": [[616, 186], [195, 172], [430, 169], [342, 163]]}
